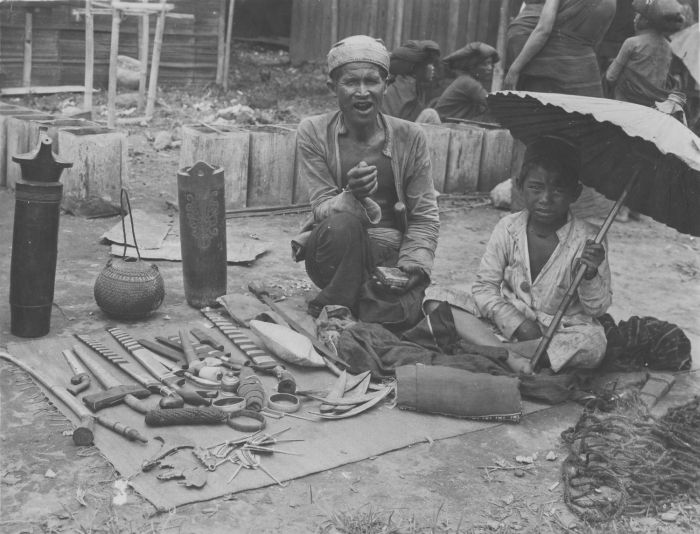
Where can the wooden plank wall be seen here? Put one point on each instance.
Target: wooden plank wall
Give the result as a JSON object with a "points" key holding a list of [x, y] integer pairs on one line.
{"points": [[188, 55], [452, 23]]}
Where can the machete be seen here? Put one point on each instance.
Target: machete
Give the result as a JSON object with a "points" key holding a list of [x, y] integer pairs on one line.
{"points": [[146, 358], [170, 398]]}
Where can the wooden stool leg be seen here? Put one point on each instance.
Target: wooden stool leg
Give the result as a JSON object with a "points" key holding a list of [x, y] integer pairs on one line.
{"points": [[28, 31], [113, 53], [89, 56], [155, 63]]}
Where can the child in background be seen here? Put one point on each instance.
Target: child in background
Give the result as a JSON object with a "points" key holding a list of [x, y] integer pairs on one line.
{"points": [[531, 259], [639, 73]]}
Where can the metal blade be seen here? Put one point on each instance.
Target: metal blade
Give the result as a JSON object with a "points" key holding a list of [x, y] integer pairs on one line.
{"points": [[130, 368], [144, 356]]}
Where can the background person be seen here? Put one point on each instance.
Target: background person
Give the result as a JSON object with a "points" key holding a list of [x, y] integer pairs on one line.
{"points": [[551, 46], [465, 97], [411, 71]]}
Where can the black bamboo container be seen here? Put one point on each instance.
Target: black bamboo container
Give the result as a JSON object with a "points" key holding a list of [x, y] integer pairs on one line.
{"points": [[35, 240], [201, 201]]}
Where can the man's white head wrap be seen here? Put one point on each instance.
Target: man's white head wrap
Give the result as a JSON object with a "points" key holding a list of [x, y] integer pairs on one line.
{"points": [[358, 48]]}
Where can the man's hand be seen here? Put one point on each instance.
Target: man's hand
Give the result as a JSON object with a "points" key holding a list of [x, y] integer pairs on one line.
{"points": [[362, 180], [528, 330], [416, 276], [592, 256], [511, 80]]}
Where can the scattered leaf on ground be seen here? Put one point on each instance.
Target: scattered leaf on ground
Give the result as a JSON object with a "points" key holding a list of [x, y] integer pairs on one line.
{"points": [[670, 516]]}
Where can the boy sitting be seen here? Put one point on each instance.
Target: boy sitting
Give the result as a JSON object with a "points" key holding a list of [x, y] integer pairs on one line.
{"points": [[531, 259]]}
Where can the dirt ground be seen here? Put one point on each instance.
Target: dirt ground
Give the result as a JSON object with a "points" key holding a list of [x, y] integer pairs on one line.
{"points": [[49, 485]]}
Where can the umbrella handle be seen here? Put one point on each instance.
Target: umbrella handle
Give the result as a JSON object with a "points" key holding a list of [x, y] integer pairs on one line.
{"points": [[580, 272]]}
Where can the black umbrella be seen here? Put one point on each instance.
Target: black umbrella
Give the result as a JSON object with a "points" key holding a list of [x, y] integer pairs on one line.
{"points": [[631, 154]]}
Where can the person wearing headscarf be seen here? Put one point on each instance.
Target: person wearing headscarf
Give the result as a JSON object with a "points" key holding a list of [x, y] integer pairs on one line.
{"points": [[551, 46], [465, 97], [411, 69], [371, 192]]}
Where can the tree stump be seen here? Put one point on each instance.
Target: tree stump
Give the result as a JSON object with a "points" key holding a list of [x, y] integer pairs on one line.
{"points": [[228, 148], [438, 144], [23, 136], [463, 158], [5, 114], [100, 163], [271, 166]]}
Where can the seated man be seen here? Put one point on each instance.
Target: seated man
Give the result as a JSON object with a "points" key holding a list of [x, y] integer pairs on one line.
{"points": [[531, 259], [371, 193], [412, 68], [465, 98]]}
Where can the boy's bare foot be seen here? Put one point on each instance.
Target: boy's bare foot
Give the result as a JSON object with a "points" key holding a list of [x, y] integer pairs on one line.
{"points": [[519, 364]]}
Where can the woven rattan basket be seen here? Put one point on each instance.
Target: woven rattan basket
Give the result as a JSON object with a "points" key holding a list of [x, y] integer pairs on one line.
{"points": [[129, 288]]}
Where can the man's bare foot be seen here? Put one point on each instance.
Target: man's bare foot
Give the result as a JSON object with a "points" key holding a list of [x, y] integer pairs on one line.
{"points": [[518, 364]]}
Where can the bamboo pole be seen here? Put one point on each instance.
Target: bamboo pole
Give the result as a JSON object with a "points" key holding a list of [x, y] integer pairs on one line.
{"points": [[113, 53], [28, 38], [155, 62], [498, 73], [398, 25], [334, 22], [220, 43], [453, 26], [89, 56], [227, 51], [144, 34], [472, 20], [578, 277]]}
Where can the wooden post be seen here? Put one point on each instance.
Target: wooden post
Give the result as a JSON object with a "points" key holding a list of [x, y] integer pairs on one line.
{"points": [[224, 148], [472, 19], [100, 161], [373, 13], [89, 56], [334, 22], [144, 35], [438, 144], [229, 35], [453, 26], [113, 53], [7, 150], [398, 24], [463, 158], [498, 72], [271, 166], [28, 31], [496, 156], [155, 62], [23, 136], [220, 45]]}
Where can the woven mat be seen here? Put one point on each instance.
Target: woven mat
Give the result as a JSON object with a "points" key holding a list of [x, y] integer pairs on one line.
{"points": [[326, 445]]}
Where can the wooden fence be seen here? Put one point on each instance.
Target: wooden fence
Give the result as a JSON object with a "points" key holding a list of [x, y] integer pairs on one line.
{"points": [[317, 24], [260, 168]]}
